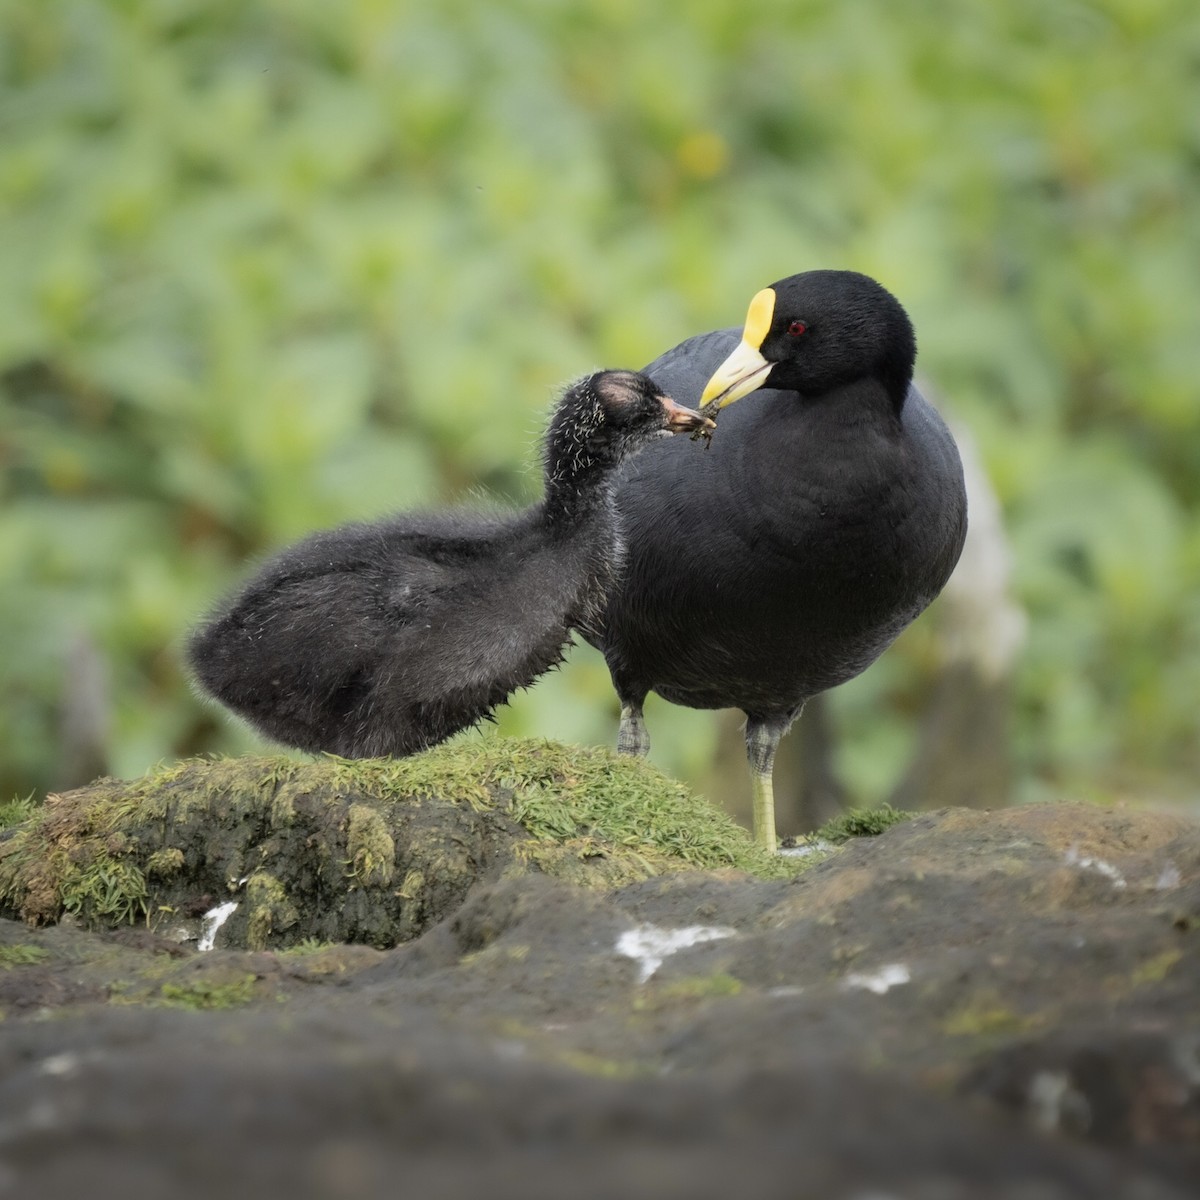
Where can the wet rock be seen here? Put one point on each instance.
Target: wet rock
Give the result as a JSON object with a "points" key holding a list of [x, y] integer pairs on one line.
{"points": [[1128, 1088], [972, 1004]]}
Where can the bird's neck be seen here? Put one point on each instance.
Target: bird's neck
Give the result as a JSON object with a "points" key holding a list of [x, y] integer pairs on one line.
{"points": [[578, 496], [863, 402], [579, 467]]}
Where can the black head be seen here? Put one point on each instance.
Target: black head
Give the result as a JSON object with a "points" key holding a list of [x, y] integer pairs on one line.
{"points": [[606, 416], [815, 332]]}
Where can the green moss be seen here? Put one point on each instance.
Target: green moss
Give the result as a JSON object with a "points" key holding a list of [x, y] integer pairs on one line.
{"points": [[283, 807], [985, 1017], [597, 1066], [690, 988], [372, 849], [270, 909], [308, 946], [206, 995], [412, 886], [1156, 969], [868, 822], [591, 863], [109, 891], [116, 850], [557, 792], [566, 792], [16, 810], [162, 864], [224, 788], [90, 852], [21, 955], [73, 856], [489, 956]]}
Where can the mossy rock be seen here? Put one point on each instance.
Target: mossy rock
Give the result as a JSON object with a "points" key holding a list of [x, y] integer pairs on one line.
{"points": [[858, 823], [368, 851]]}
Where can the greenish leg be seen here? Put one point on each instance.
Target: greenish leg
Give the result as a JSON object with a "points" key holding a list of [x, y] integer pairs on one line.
{"points": [[632, 737], [761, 743]]}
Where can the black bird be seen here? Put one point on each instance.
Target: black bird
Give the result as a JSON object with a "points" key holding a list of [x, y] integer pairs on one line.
{"points": [[828, 512], [386, 638]]}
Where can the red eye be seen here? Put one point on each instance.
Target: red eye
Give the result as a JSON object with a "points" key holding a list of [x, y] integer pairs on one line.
{"points": [[796, 328]]}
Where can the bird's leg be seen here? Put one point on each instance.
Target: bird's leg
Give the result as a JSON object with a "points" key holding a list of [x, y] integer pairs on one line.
{"points": [[632, 737], [762, 740]]}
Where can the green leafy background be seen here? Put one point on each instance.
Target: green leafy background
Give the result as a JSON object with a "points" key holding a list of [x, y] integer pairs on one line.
{"points": [[269, 266]]}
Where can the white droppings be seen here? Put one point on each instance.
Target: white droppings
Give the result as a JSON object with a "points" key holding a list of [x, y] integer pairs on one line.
{"points": [[1168, 878], [1085, 863], [883, 980], [650, 944], [816, 846], [59, 1064], [212, 921], [1185, 1054], [1055, 1104], [784, 991]]}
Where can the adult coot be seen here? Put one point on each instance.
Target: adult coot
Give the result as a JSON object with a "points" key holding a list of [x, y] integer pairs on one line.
{"points": [[828, 512], [386, 638]]}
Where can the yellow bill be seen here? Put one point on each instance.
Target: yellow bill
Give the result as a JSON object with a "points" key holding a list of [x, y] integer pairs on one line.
{"points": [[745, 369]]}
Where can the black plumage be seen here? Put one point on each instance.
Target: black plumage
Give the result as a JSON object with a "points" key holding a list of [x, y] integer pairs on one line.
{"points": [[828, 512], [386, 638]]}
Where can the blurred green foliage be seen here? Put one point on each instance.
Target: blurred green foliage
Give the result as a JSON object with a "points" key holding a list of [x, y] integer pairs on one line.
{"points": [[269, 266]]}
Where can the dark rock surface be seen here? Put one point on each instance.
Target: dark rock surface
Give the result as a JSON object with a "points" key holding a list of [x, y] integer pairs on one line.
{"points": [[972, 1004]]}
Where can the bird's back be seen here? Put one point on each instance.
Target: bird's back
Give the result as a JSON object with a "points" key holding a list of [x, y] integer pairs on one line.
{"points": [[785, 558], [382, 638]]}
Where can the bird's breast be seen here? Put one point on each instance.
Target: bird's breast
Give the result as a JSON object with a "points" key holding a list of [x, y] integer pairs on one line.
{"points": [[788, 555]]}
